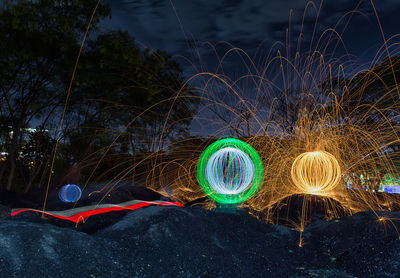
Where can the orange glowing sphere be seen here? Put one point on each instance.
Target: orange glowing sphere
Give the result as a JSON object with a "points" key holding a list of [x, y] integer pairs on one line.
{"points": [[316, 172]]}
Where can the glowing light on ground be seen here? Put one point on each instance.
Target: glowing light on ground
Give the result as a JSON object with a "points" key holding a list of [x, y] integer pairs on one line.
{"points": [[80, 214], [230, 171], [316, 172]]}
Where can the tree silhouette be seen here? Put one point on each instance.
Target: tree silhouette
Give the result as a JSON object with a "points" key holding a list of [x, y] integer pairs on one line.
{"points": [[115, 82]]}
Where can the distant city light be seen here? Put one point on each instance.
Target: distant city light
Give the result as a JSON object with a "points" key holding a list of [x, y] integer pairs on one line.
{"points": [[389, 184], [393, 189]]}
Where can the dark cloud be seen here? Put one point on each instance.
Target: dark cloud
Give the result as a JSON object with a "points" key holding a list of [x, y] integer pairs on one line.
{"points": [[171, 25]]}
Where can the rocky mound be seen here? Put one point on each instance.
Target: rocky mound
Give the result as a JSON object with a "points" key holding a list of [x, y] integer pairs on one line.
{"points": [[192, 242]]}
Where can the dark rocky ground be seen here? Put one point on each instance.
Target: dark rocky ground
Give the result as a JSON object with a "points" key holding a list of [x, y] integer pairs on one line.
{"points": [[191, 242]]}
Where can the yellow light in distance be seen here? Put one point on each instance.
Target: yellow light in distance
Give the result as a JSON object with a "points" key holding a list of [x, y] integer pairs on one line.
{"points": [[316, 172]]}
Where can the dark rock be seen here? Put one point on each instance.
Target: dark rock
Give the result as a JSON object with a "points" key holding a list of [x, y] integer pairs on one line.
{"points": [[366, 244], [162, 241], [192, 242], [4, 212], [289, 210]]}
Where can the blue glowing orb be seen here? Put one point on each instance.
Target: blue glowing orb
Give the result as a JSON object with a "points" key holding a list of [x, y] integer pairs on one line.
{"points": [[70, 193]]}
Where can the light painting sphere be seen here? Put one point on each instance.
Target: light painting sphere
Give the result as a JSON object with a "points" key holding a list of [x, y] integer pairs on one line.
{"points": [[229, 171], [316, 172], [70, 193]]}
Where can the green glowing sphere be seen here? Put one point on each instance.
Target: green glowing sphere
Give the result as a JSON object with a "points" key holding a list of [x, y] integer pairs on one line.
{"points": [[230, 171]]}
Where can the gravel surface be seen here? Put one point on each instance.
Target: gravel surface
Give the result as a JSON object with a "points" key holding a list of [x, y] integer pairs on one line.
{"points": [[162, 241]]}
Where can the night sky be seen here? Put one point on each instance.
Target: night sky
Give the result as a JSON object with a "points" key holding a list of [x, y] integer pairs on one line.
{"points": [[182, 27], [248, 23]]}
